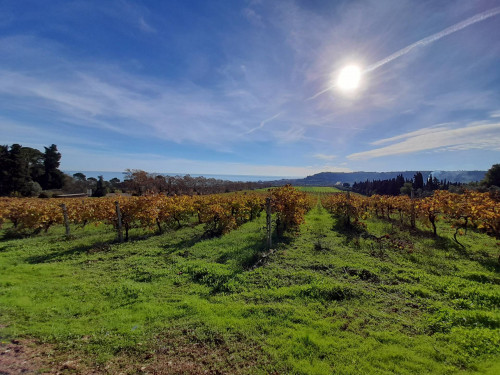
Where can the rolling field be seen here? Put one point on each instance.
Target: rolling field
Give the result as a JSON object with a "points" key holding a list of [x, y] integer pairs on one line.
{"points": [[325, 301], [311, 189], [318, 189]]}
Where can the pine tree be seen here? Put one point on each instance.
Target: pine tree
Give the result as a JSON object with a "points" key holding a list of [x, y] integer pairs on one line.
{"points": [[18, 171], [53, 177], [418, 181], [492, 177]]}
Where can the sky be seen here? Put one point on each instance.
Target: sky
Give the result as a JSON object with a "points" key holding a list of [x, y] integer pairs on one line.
{"points": [[251, 87]]}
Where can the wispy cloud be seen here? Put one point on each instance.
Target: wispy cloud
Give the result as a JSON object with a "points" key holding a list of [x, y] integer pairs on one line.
{"points": [[31, 135], [484, 137], [146, 27], [77, 159], [434, 37], [293, 134], [108, 97], [121, 103], [131, 12], [264, 122], [253, 17], [423, 131], [324, 156]]}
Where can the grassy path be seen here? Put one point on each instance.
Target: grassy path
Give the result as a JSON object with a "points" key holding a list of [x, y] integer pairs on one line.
{"points": [[329, 303]]}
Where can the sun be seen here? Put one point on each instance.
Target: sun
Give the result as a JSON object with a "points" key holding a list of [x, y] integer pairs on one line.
{"points": [[349, 78]]}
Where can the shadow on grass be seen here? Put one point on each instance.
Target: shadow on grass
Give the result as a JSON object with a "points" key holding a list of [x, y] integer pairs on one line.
{"points": [[105, 246], [102, 247], [446, 243], [61, 255], [246, 256], [221, 273], [182, 244], [252, 253], [350, 232], [262, 255], [14, 234], [491, 264], [482, 257]]}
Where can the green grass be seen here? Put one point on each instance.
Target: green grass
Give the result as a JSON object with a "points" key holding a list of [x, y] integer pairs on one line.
{"points": [[311, 189], [327, 301], [318, 189]]}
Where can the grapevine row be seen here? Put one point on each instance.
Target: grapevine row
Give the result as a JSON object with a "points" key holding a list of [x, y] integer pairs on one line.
{"points": [[471, 209], [220, 213]]}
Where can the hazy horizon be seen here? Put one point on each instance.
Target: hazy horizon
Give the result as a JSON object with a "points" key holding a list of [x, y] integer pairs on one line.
{"points": [[237, 177]]}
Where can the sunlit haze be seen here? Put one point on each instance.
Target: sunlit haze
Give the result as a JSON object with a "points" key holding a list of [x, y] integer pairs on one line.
{"points": [[349, 78]]}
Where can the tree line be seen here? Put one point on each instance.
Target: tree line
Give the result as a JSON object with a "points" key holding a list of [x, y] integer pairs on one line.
{"points": [[26, 171], [424, 187], [139, 182]]}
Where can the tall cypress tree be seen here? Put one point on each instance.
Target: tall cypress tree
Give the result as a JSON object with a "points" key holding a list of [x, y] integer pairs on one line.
{"points": [[418, 181], [53, 177], [4, 170], [100, 190], [18, 170]]}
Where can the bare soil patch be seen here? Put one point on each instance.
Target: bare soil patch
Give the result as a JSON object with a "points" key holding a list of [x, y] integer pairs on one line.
{"points": [[24, 357], [179, 352]]}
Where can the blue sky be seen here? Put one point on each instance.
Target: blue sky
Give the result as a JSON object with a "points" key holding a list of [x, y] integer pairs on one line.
{"points": [[233, 87]]}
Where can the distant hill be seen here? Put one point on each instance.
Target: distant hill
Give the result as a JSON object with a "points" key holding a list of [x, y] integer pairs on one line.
{"points": [[332, 178], [459, 176]]}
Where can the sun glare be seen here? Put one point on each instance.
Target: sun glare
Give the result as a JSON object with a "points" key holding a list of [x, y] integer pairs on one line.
{"points": [[349, 78]]}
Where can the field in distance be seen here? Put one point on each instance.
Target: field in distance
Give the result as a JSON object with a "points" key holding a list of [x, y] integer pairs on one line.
{"points": [[318, 189], [312, 189]]}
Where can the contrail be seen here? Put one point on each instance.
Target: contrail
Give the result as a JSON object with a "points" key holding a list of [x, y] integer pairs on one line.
{"points": [[261, 125], [423, 42], [320, 93]]}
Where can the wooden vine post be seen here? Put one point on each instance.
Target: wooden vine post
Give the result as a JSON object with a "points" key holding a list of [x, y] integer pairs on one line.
{"points": [[119, 222], [66, 220], [412, 212], [348, 209], [268, 223]]}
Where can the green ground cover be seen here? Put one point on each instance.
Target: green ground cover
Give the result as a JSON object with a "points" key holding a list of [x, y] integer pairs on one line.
{"points": [[311, 189], [326, 301], [318, 189]]}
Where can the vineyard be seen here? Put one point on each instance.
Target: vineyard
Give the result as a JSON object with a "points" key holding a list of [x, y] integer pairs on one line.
{"points": [[187, 284], [469, 210], [220, 213]]}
